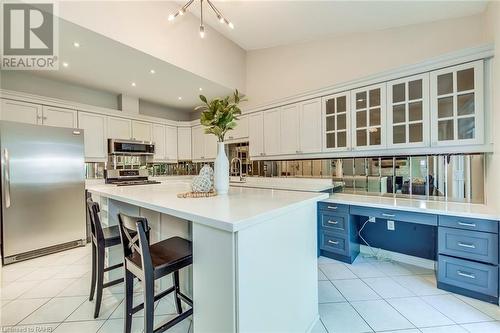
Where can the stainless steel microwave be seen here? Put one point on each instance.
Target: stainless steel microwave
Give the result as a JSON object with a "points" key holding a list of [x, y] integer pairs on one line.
{"points": [[130, 147]]}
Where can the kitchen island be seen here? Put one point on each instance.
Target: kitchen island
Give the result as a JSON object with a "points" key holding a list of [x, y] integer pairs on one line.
{"points": [[254, 252]]}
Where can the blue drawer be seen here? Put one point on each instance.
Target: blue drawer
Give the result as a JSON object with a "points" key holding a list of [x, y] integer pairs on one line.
{"points": [[333, 207], [469, 275], [396, 215], [334, 243], [469, 223], [474, 245], [334, 222]]}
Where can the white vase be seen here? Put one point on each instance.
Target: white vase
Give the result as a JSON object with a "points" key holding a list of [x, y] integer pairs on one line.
{"points": [[221, 172]]}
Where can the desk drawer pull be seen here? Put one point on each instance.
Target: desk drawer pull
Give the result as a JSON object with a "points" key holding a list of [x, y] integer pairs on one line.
{"points": [[333, 242], [465, 224], [333, 222], [467, 275], [388, 215], [331, 207], [469, 246]]}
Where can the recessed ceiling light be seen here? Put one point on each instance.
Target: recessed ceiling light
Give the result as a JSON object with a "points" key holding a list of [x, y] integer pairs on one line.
{"points": [[76, 44], [200, 89], [65, 64], [152, 71], [133, 84], [179, 98]]}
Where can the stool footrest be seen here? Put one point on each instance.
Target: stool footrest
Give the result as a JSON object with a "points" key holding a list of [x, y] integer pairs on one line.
{"points": [[186, 299], [107, 269], [157, 297], [112, 283], [174, 321]]}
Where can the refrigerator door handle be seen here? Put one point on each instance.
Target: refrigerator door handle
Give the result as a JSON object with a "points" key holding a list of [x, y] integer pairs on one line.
{"points": [[7, 177]]}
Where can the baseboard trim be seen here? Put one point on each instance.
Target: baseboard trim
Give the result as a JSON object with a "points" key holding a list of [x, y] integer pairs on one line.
{"points": [[400, 257]]}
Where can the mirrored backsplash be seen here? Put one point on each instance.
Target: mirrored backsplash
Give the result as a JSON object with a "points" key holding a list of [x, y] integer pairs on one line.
{"points": [[458, 178]]}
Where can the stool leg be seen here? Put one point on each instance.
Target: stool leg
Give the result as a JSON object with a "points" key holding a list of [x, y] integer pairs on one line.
{"points": [[129, 300], [93, 278], [148, 286], [178, 305], [100, 280]]}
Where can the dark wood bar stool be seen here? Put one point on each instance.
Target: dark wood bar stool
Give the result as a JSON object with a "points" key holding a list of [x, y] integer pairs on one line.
{"points": [[149, 263], [102, 238]]}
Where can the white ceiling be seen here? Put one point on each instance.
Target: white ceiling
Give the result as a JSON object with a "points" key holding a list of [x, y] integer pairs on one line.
{"points": [[262, 24], [105, 64]]}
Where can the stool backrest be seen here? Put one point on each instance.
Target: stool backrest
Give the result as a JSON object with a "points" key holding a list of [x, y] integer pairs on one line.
{"points": [[95, 220], [134, 234]]}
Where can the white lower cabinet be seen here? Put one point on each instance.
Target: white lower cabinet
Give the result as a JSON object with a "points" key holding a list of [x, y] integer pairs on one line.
{"points": [[184, 143], [171, 143], [59, 117], [21, 112], [119, 128], [94, 127], [141, 130], [159, 140], [272, 132], [256, 134]]}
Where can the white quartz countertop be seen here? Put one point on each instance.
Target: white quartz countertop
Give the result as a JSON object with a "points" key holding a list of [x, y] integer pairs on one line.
{"points": [[419, 206], [239, 209], [288, 184]]}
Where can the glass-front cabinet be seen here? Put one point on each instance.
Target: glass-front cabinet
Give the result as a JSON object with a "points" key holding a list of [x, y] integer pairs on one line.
{"points": [[408, 112], [457, 98], [368, 116], [336, 122]]}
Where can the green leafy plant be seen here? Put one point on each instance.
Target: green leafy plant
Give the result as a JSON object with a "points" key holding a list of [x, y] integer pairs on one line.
{"points": [[220, 114]]}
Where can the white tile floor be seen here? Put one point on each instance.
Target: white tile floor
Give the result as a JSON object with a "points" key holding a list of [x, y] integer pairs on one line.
{"points": [[51, 294]]}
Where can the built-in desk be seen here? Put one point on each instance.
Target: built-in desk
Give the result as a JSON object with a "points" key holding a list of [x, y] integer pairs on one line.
{"points": [[462, 238]]}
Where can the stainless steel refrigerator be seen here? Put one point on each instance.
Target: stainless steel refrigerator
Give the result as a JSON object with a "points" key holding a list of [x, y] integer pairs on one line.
{"points": [[43, 190]]}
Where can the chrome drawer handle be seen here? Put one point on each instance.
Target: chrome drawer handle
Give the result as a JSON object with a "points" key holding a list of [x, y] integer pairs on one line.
{"points": [[333, 242], [388, 215], [331, 207], [469, 246], [467, 275], [333, 222], [467, 224]]}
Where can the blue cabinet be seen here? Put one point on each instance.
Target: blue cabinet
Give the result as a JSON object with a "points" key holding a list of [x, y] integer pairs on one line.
{"points": [[472, 245]]}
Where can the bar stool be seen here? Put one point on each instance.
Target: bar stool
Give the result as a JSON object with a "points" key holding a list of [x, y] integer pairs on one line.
{"points": [[149, 263], [102, 238]]}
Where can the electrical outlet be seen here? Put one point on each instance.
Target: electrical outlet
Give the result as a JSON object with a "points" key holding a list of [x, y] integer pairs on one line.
{"points": [[371, 219], [390, 225]]}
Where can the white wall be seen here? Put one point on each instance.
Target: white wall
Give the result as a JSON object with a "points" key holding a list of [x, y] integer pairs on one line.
{"points": [[284, 71], [493, 161], [143, 25]]}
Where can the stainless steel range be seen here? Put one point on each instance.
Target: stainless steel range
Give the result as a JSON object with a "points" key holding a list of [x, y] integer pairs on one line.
{"points": [[127, 162]]}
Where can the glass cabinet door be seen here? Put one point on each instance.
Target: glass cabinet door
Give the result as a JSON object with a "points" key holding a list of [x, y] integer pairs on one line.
{"points": [[336, 122], [369, 117], [408, 111], [457, 99]]}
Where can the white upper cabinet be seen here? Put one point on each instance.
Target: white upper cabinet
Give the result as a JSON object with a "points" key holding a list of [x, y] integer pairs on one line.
{"points": [[289, 142], [310, 126], [210, 146], [171, 143], [336, 126], [141, 130], [272, 132], [59, 117], [159, 139], [256, 134], [240, 132], [198, 146], [94, 131], [368, 117], [408, 112], [119, 128], [457, 98], [21, 112], [184, 143]]}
